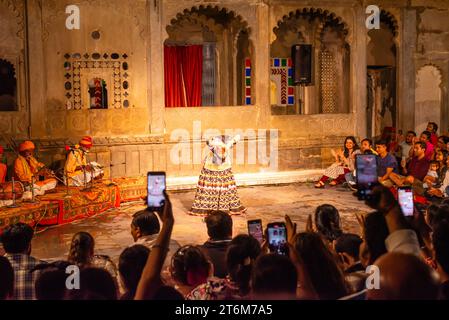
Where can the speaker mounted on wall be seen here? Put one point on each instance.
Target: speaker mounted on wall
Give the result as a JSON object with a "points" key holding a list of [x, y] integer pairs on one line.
{"points": [[302, 58]]}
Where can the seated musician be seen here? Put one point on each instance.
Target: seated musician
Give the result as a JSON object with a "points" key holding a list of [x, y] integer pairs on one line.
{"points": [[26, 167], [78, 171], [3, 167]]}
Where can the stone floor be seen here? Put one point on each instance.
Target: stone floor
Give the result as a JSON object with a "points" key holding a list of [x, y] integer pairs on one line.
{"points": [[111, 229]]}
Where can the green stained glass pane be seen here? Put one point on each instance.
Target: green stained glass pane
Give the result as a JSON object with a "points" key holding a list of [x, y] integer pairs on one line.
{"points": [[290, 81], [284, 62], [248, 81]]}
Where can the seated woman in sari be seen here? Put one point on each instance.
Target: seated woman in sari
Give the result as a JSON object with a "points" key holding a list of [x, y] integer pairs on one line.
{"points": [[344, 163]]}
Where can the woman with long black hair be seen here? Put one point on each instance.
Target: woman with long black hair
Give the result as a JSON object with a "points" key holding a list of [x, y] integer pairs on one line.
{"points": [[344, 163]]}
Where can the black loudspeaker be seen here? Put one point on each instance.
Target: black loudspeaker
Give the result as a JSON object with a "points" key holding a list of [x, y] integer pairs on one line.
{"points": [[302, 58]]}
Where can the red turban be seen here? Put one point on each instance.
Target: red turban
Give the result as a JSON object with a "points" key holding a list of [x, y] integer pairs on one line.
{"points": [[27, 145], [86, 141]]}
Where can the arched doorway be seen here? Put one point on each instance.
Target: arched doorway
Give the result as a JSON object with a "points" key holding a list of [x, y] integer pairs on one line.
{"points": [[207, 58], [428, 98]]}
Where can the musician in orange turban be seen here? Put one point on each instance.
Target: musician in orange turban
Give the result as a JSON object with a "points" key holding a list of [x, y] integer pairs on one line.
{"points": [[3, 167], [26, 167], [77, 169]]}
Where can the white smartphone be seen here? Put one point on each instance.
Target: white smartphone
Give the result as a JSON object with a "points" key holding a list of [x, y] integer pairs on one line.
{"points": [[405, 199]]}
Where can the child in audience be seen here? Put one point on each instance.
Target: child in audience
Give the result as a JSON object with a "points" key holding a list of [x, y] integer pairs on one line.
{"points": [[432, 175]]}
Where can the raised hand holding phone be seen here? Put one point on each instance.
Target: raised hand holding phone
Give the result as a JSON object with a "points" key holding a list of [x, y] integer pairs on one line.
{"points": [[156, 183]]}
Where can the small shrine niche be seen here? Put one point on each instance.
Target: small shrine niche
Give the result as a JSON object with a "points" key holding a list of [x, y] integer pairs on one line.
{"points": [[97, 81], [98, 93]]}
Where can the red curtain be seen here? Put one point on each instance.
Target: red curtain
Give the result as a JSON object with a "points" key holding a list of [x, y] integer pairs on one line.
{"points": [[183, 70], [174, 93]]}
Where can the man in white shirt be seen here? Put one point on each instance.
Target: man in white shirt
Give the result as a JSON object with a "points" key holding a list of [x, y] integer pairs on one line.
{"points": [[407, 144]]}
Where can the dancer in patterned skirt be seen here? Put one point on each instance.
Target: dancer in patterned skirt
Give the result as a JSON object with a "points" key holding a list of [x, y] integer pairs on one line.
{"points": [[216, 188]]}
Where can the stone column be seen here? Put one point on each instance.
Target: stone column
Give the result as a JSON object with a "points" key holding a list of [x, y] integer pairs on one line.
{"points": [[406, 71], [358, 73], [155, 66], [35, 64], [260, 35]]}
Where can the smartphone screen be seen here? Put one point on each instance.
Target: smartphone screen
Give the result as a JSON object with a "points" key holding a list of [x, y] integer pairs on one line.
{"points": [[255, 229], [156, 187], [277, 237], [366, 167], [405, 199]]}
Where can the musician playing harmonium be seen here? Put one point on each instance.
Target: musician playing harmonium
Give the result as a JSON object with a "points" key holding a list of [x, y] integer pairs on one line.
{"points": [[77, 170], [27, 170]]}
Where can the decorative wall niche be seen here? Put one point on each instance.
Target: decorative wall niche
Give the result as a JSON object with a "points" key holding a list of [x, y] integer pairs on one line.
{"points": [[96, 81]]}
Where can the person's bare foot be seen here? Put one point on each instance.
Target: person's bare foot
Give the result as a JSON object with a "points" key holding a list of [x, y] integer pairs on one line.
{"points": [[333, 183], [319, 184]]}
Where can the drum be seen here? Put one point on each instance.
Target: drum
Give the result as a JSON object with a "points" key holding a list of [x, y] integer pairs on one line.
{"points": [[6, 190]]}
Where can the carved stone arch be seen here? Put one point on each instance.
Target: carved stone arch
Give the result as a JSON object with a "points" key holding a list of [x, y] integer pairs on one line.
{"points": [[204, 22], [430, 96], [440, 68], [325, 18], [390, 20], [234, 21]]}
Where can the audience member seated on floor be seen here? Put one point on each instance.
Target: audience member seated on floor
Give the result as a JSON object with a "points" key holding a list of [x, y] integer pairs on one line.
{"points": [[241, 254], [440, 242], [440, 189], [95, 284], [130, 266], [441, 156], [190, 268], [344, 163], [16, 240], [145, 228], [429, 149], [325, 275], [347, 246], [51, 283], [366, 147], [387, 164], [6, 279], [432, 127], [404, 277], [219, 230], [328, 222], [431, 178], [415, 171], [82, 254], [406, 145], [274, 277], [442, 144]]}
